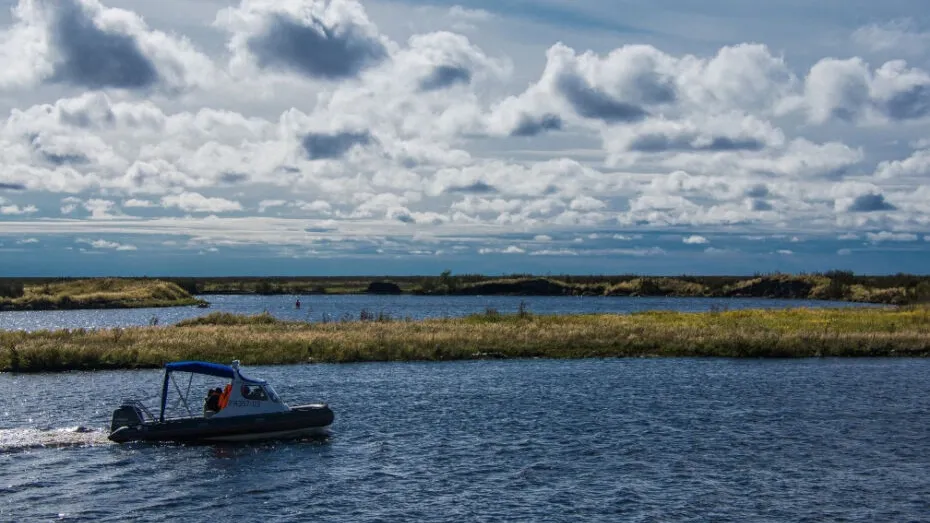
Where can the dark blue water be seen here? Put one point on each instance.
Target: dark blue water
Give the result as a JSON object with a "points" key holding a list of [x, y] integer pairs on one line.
{"points": [[491, 441], [336, 307]]}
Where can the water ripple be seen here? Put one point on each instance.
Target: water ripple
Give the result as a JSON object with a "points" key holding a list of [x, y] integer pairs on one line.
{"points": [[335, 306], [492, 441]]}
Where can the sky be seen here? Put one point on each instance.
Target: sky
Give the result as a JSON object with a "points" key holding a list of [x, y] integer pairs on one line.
{"points": [[327, 137]]}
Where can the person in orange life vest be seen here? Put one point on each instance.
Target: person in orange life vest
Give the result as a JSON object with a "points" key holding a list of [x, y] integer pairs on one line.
{"points": [[224, 397]]}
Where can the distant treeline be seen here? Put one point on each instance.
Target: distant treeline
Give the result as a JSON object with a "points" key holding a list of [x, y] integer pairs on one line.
{"points": [[833, 285]]}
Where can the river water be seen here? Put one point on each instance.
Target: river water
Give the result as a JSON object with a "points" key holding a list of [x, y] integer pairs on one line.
{"points": [[335, 307], [492, 441]]}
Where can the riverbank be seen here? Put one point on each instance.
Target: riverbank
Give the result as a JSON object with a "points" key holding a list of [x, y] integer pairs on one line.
{"points": [[263, 340], [833, 285], [896, 289], [94, 293]]}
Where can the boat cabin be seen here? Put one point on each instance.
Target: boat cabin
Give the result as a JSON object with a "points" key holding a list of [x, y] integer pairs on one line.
{"points": [[242, 396]]}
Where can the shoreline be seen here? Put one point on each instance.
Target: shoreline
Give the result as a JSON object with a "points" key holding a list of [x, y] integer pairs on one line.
{"points": [[19, 294], [134, 292], [108, 305], [93, 294], [264, 340]]}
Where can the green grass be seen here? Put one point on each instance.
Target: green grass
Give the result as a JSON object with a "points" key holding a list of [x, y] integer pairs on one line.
{"points": [[99, 293], [257, 340]]}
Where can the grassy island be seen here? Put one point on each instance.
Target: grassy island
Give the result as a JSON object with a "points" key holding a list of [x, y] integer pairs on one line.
{"points": [[96, 293], [262, 339], [893, 289], [832, 285]]}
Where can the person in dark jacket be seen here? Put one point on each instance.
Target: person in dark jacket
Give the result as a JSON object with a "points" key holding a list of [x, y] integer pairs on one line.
{"points": [[212, 404]]}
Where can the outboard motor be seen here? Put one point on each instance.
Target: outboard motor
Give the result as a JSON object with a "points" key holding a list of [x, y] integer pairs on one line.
{"points": [[126, 416]]}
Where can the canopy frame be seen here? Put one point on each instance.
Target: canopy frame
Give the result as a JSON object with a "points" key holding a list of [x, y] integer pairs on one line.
{"points": [[194, 367]]}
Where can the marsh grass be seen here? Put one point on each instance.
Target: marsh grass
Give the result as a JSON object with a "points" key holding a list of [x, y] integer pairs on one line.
{"points": [[99, 293], [261, 339]]}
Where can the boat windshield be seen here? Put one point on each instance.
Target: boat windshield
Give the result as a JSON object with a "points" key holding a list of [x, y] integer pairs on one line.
{"points": [[272, 394], [254, 392]]}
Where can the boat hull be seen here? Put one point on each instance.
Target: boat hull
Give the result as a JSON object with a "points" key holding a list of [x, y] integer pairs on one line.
{"points": [[297, 422]]}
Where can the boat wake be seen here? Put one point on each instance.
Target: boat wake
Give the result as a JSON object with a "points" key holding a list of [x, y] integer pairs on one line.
{"points": [[19, 440]]}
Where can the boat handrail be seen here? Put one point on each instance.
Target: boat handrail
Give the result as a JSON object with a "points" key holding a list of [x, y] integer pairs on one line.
{"points": [[129, 402]]}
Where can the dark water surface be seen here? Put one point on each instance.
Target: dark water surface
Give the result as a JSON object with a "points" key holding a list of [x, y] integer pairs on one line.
{"points": [[528, 440], [335, 307]]}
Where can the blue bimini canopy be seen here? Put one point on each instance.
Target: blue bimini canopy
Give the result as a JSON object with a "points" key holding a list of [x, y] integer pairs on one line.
{"points": [[194, 367], [201, 367]]}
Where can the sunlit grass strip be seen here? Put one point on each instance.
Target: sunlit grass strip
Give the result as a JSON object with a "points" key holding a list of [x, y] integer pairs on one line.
{"points": [[100, 293], [258, 340]]}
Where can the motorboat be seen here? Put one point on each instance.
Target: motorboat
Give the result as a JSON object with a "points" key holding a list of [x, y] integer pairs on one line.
{"points": [[249, 409]]}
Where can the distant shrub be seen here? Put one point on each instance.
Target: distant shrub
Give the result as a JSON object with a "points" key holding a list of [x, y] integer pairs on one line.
{"points": [[11, 289], [523, 310], [226, 318]]}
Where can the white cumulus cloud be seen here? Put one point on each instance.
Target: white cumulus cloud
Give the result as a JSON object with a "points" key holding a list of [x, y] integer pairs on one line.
{"points": [[695, 240], [196, 202]]}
